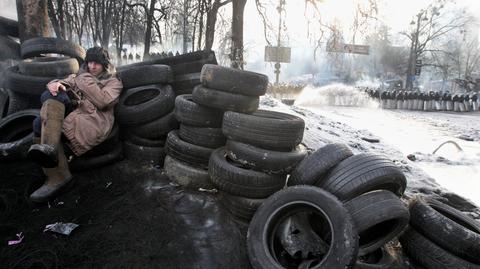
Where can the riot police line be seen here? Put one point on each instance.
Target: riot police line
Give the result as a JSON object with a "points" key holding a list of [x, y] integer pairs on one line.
{"points": [[426, 101]]}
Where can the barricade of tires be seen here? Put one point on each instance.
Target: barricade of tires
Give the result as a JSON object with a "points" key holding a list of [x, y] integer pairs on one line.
{"points": [[200, 115], [339, 212], [440, 236], [186, 68], [145, 111], [431, 101], [240, 170]]}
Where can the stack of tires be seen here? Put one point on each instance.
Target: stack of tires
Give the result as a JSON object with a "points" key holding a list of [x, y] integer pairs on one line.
{"points": [[261, 150], [240, 170], [340, 211], [186, 68], [145, 111], [441, 236], [26, 81], [189, 148]]}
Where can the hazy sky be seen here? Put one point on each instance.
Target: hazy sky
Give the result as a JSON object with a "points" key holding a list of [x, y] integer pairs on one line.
{"points": [[395, 13]]}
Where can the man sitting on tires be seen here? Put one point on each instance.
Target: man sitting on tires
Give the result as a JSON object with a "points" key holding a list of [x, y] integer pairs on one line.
{"points": [[78, 111]]}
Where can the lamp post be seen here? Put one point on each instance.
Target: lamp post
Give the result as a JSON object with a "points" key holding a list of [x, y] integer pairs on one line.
{"points": [[277, 64]]}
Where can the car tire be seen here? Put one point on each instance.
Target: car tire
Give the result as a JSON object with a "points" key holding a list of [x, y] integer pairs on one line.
{"points": [[186, 175], [228, 177], [233, 80], [48, 67], [202, 136], [447, 227], [379, 216], [264, 129], [190, 113], [281, 205], [25, 84], [225, 100], [362, 173], [144, 104], [430, 255], [137, 76], [192, 154], [42, 45], [315, 166], [268, 161]]}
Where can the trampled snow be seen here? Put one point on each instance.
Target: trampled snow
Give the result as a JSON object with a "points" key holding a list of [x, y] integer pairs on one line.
{"points": [[339, 113]]}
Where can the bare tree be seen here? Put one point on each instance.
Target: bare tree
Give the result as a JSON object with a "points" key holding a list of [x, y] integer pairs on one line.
{"points": [[362, 17], [56, 12], [236, 57], [212, 11], [429, 24]]}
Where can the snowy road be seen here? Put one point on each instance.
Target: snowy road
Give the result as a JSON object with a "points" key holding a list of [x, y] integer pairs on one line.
{"points": [[421, 133]]}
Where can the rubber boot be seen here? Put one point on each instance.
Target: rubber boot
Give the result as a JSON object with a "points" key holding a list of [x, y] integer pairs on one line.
{"points": [[46, 153], [57, 178]]}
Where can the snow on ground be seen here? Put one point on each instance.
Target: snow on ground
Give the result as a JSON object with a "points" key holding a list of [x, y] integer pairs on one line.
{"points": [[331, 124]]}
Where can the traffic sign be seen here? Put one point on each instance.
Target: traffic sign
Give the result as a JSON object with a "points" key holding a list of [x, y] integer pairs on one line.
{"points": [[348, 48], [277, 54]]}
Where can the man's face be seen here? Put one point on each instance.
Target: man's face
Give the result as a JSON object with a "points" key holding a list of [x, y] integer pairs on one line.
{"points": [[95, 68]]}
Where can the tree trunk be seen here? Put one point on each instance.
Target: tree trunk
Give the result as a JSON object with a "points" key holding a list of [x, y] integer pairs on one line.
{"points": [[211, 21], [185, 22], [56, 17], [32, 19], [237, 34], [200, 24], [148, 30]]}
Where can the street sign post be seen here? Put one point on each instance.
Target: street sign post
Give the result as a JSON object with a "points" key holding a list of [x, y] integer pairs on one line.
{"points": [[348, 48], [277, 54]]}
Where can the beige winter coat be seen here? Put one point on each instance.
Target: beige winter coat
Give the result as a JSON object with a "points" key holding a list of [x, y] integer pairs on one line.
{"points": [[92, 120]]}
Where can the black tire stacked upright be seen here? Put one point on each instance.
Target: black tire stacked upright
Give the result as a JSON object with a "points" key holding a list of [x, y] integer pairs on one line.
{"points": [[262, 148], [441, 236], [26, 81], [145, 111], [189, 148]]}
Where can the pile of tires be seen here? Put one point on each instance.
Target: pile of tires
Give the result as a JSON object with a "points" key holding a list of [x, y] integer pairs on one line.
{"points": [[26, 81], [189, 148], [145, 111], [440, 236], [239, 170], [340, 211], [186, 68]]}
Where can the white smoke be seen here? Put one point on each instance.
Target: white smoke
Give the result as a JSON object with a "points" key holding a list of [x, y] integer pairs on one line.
{"points": [[334, 95]]}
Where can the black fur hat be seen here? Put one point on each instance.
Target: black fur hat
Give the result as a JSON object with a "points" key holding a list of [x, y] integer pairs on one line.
{"points": [[99, 55]]}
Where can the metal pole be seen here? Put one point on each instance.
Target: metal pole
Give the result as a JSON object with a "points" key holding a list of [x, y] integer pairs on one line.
{"points": [[277, 65]]}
